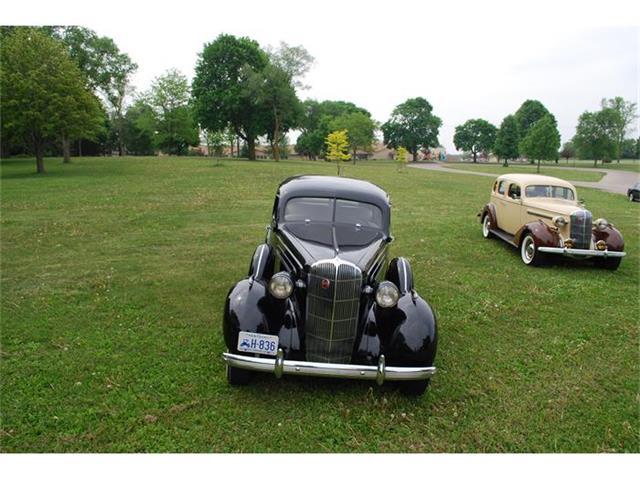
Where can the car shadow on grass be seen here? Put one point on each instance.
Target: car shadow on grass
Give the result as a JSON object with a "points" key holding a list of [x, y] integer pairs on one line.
{"points": [[302, 385]]}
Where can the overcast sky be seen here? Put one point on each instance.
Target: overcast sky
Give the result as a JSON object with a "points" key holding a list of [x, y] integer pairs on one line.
{"points": [[469, 60]]}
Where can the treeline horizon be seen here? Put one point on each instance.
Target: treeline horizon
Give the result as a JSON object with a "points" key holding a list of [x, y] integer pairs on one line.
{"points": [[67, 91]]}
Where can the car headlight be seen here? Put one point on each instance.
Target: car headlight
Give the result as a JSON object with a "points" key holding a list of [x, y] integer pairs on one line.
{"points": [[601, 224], [281, 285], [387, 294], [559, 221]]}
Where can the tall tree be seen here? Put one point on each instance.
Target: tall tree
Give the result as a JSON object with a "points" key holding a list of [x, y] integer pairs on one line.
{"points": [[219, 88], [412, 125], [529, 113], [177, 129], [360, 130], [475, 136], [295, 60], [116, 89], [595, 137], [40, 85], [627, 113], [542, 142], [272, 90], [507, 139]]}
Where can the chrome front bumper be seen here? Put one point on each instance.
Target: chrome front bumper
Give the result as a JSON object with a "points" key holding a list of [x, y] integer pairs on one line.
{"points": [[280, 366], [576, 252]]}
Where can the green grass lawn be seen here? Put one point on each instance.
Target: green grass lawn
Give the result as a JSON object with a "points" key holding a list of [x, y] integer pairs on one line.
{"points": [[114, 273], [570, 175]]}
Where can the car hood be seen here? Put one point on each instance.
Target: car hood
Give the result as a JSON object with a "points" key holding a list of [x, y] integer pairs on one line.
{"points": [[552, 206], [310, 244]]}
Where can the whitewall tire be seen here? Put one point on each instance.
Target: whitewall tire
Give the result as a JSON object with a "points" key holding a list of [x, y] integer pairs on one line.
{"points": [[528, 251]]}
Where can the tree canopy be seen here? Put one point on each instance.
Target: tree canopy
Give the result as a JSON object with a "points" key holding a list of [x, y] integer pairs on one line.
{"points": [[542, 142], [475, 136], [595, 137], [412, 125], [316, 124], [360, 130], [44, 95], [529, 113], [627, 113], [507, 139], [220, 94], [177, 130]]}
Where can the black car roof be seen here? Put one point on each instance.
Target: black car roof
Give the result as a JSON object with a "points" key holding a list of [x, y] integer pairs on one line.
{"points": [[335, 187]]}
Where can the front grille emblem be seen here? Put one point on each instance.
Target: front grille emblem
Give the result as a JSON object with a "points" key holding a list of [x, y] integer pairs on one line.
{"points": [[325, 283]]}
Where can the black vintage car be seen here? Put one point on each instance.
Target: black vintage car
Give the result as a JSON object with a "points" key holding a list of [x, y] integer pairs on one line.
{"points": [[322, 298], [633, 192]]}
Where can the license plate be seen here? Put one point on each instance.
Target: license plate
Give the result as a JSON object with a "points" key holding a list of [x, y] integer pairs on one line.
{"points": [[257, 343]]}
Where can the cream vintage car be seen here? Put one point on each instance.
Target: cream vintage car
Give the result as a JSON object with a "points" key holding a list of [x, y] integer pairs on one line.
{"points": [[541, 216]]}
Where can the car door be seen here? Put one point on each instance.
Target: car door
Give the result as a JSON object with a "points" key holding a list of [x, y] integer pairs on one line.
{"points": [[511, 219], [498, 199]]}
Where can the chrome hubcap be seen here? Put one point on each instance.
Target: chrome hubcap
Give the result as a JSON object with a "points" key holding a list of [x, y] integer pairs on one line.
{"points": [[485, 226], [528, 250]]}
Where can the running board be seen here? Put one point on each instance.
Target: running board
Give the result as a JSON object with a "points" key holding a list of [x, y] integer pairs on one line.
{"points": [[507, 237]]}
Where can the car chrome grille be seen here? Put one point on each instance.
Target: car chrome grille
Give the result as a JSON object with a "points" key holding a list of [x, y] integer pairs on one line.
{"points": [[581, 222], [333, 303]]}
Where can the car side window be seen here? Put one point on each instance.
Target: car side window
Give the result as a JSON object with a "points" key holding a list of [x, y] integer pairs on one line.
{"points": [[501, 187], [514, 191]]}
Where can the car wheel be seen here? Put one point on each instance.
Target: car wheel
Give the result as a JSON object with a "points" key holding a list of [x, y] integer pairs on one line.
{"points": [[414, 387], [631, 199], [486, 225], [609, 263], [529, 253], [238, 376]]}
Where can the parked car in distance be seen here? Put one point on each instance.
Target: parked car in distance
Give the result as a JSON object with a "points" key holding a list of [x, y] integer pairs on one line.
{"points": [[542, 216], [321, 297], [633, 193]]}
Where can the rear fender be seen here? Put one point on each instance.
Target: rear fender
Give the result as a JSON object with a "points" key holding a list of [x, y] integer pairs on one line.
{"points": [[489, 209]]}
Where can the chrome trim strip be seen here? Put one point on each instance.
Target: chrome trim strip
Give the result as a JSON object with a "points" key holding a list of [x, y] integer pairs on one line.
{"points": [[581, 253], [380, 372]]}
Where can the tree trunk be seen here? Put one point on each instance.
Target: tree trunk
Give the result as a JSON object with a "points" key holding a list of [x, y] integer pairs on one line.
{"points": [[475, 156], [80, 147], [595, 162], [538, 167], [238, 147], [414, 153], [276, 139], [251, 145], [38, 149], [354, 155], [66, 148], [506, 163]]}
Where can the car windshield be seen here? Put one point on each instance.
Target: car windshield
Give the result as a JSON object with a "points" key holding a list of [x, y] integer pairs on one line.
{"points": [[549, 191], [329, 210]]}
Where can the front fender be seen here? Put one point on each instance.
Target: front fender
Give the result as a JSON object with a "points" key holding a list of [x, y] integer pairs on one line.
{"points": [[408, 331], [543, 234], [611, 236], [249, 308]]}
